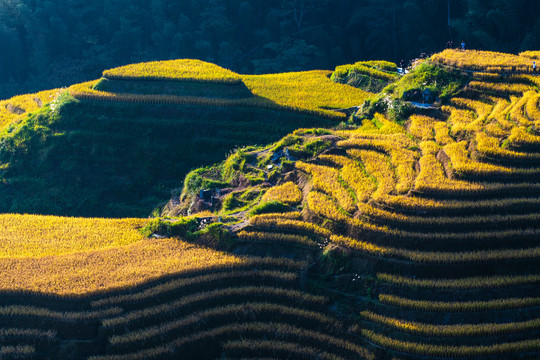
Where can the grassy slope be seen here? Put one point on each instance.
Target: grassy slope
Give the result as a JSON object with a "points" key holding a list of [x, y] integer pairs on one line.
{"points": [[103, 159]]}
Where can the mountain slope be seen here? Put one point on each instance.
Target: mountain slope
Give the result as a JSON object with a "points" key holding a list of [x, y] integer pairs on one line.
{"points": [[410, 232], [426, 233], [117, 153]]}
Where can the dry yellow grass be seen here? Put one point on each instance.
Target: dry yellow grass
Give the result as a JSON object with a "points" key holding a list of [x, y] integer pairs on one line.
{"points": [[500, 88], [428, 349], [422, 127], [378, 166], [462, 120], [518, 113], [521, 137], [401, 159], [323, 205], [17, 352], [432, 256], [481, 108], [101, 270], [499, 112], [386, 126], [461, 283], [456, 330], [432, 177], [491, 147], [463, 165], [302, 227], [326, 179], [354, 175], [74, 256], [459, 306], [442, 133]]}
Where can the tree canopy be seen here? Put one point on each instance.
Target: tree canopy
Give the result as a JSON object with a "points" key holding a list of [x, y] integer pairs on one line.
{"points": [[51, 43]]}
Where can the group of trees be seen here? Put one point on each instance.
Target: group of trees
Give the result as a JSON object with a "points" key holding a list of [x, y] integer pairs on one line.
{"points": [[50, 43]]}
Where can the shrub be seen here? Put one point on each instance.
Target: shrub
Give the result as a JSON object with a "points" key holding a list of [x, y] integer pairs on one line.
{"points": [[168, 228], [215, 235], [232, 202], [196, 181], [234, 163], [335, 259]]}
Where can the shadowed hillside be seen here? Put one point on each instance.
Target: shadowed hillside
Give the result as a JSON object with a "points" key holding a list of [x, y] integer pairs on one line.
{"points": [[120, 149]]}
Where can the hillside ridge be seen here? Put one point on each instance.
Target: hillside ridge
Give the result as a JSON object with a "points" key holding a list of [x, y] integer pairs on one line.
{"points": [[158, 120]]}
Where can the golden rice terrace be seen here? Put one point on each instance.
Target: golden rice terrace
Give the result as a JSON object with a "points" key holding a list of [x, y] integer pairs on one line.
{"points": [[377, 239]]}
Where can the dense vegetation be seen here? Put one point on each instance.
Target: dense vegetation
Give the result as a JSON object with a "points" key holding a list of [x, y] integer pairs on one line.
{"points": [[48, 44]]}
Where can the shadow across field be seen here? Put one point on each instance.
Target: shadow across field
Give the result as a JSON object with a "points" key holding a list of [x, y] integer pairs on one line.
{"points": [[122, 160], [179, 88], [63, 327]]}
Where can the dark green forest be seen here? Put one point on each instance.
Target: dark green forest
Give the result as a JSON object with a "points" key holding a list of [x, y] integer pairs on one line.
{"points": [[51, 43]]}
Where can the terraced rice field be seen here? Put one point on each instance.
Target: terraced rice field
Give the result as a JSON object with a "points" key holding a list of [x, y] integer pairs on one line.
{"points": [[172, 300], [448, 215], [412, 241], [310, 92]]}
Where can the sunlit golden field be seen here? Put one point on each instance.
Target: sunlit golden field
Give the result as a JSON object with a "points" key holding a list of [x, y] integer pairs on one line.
{"points": [[67, 256], [309, 91], [23, 236], [20, 106], [287, 193], [482, 60], [185, 70], [110, 268]]}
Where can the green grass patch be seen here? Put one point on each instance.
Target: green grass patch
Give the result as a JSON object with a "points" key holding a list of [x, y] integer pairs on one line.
{"points": [[99, 159], [168, 228], [269, 207], [441, 82], [238, 201]]}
